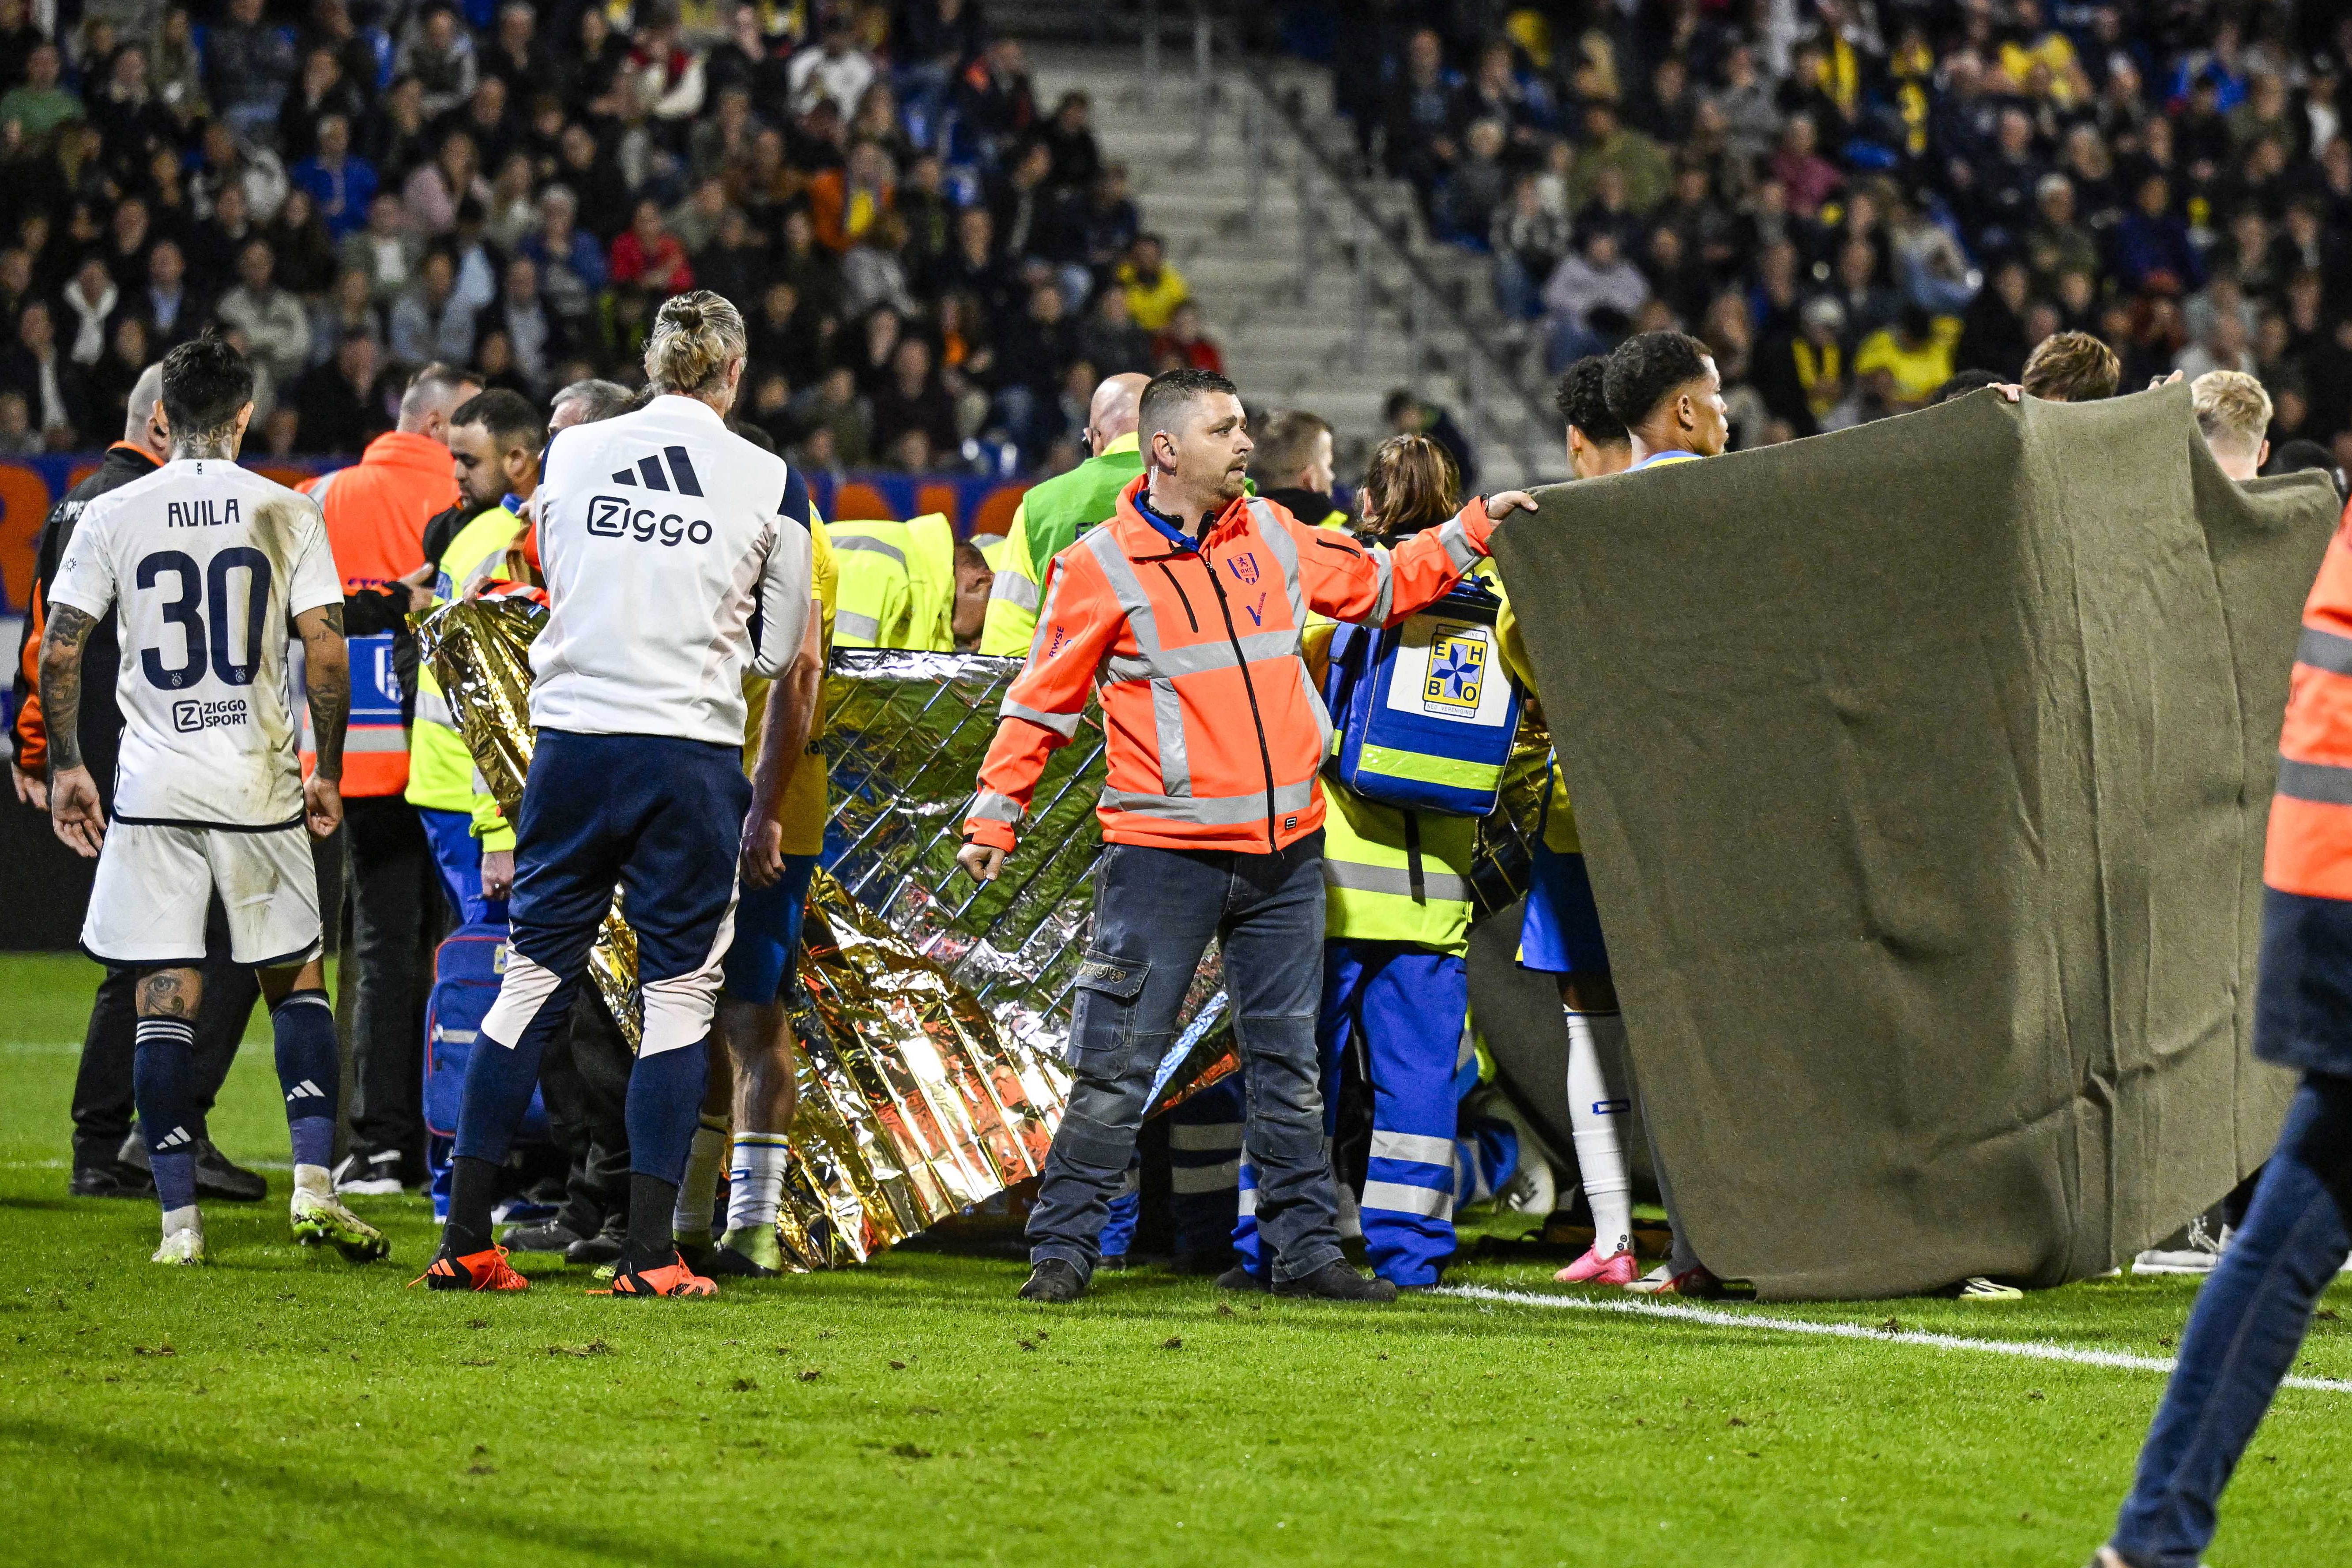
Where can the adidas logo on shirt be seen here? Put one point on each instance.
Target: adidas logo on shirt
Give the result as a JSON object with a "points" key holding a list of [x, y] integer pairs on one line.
{"points": [[650, 471]]}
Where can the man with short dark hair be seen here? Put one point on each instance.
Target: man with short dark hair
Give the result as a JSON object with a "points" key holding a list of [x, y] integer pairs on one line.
{"points": [[1664, 387], [1183, 613], [208, 793], [2071, 367], [495, 438]]}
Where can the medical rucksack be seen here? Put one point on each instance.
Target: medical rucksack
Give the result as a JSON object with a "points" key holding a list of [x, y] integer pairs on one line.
{"points": [[1423, 711], [467, 970]]}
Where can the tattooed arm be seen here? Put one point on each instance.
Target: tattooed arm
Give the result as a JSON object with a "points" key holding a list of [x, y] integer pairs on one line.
{"points": [[75, 814], [327, 682]]}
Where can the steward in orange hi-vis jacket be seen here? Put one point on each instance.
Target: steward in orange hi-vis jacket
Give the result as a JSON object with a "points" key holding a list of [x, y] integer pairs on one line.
{"points": [[1215, 727], [1184, 613]]}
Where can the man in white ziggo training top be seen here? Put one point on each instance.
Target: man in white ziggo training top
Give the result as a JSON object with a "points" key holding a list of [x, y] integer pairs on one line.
{"points": [[670, 564]]}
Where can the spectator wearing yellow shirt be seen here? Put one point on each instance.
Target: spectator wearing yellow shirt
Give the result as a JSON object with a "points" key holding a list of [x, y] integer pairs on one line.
{"points": [[1154, 288], [1915, 356]]}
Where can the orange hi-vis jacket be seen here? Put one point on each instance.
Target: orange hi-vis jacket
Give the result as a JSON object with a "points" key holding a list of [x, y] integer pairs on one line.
{"points": [[376, 511], [1214, 727], [2309, 849]]}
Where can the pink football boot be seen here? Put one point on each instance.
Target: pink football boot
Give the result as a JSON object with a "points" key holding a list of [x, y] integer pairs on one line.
{"points": [[1617, 1269]]}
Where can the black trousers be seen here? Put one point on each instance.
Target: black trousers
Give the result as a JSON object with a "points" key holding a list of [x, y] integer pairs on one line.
{"points": [[396, 910], [584, 1080], [102, 1093]]}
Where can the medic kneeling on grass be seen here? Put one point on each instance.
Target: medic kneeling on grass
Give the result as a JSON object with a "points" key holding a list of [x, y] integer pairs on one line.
{"points": [[1185, 612]]}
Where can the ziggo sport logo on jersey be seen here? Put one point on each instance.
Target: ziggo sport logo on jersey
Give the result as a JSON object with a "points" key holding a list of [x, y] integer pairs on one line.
{"points": [[191, 715], [613, 518]]}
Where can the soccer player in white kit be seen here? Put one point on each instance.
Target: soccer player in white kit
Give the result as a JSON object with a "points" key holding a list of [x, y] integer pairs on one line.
{"points": [[672, 562], [204, 566]]}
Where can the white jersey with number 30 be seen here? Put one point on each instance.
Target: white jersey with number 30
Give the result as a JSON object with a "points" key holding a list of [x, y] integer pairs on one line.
{"points": [[204, 564]]}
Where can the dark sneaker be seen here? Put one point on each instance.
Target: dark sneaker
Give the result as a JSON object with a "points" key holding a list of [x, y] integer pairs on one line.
{"points": [[369, 1174], [596, 1250], [217, 1178], [1053, 1282], [1240, 1278], [1335, 1281], [552, 1236], [112, 1181]]}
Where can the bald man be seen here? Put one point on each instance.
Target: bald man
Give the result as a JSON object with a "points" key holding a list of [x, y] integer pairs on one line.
{"points": [[1054, 514], [109, 1159]]}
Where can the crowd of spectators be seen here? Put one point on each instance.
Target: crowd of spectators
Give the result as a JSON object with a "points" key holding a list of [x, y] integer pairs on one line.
{"points": [[1853, 200], [935, 268]]}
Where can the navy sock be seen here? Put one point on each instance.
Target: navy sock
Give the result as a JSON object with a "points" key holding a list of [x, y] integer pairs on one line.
{"points": [[650, 1243], [308, 1071], [160, 1074], [665, 1107], [473, 1191]]}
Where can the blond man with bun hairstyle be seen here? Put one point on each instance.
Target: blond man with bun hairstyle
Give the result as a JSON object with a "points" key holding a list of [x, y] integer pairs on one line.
{"points": [[2234, 413], [676, 559]]}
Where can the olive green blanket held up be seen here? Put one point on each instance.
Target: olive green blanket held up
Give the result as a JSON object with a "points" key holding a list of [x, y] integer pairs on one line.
{"points": [[1922, 771]]}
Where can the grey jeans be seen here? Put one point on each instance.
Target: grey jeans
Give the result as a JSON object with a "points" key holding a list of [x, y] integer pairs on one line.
{"points": [[1155, 911]]}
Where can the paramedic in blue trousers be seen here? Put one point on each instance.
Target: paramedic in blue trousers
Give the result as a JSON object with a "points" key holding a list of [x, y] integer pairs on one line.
{"points": [[671, 565], [1396, 976]]}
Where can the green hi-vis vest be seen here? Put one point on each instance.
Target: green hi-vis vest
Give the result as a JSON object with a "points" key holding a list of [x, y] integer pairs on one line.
{"points": [[898, 584], [1050, 519], [440, 768]]}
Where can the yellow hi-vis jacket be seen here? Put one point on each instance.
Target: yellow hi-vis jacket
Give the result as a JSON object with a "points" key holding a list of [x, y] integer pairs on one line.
{"points": [[898, 584], [1393, 875], [801, 811], [1559, 834], [441, 773]]}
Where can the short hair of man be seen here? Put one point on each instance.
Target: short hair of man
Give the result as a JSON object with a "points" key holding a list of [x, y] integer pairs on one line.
{"points": [[435, 383], [1286, 445], [507, 415], [2232, 409], [145, 392], [205, 382], [2300, 455], [1645, 369], [599, 400], [1172, 392], [1582, 400], [2071, 367], [1963, 384]]}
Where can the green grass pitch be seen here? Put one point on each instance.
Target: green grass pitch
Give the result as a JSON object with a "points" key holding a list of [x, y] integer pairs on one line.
{"points": [[284, 1406]]}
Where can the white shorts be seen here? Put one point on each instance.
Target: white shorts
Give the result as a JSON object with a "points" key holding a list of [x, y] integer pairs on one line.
{"points": [[155, 882]]}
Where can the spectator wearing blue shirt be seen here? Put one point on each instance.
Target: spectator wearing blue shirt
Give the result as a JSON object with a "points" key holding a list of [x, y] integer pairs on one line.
{"points": [[341, 184], [2153, 251]]}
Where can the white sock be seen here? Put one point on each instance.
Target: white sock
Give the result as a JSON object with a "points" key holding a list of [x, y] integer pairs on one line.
{"points": [[698, 1192], [755, 1180], [1598, 1105], [315, 1181], [184, 1218], [1680, 1259]]}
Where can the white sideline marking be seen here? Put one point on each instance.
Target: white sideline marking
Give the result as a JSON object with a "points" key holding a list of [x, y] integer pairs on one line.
{"points": [[2030, 1349]]}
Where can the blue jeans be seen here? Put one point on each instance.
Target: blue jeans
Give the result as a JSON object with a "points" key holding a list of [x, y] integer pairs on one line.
{"points": [[2249, 1321], [1155, 911], [458, 855]]}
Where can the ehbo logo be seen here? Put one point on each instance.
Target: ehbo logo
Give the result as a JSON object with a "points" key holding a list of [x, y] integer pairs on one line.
{"points": [[191, 715], [611, 517], [1458, 668]]}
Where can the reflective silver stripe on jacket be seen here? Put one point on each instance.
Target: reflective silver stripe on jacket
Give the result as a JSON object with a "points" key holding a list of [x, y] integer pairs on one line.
{"points": [[374, 738], [432, 707], [868, 542], [1063, 724], [1213, 811], [1358, 878], [1198, 659], [1386, 597], [2325, 650], [1285, 550], [1168, 722], [848, 623], [1015, 590], [2323, 784], [1458, 548], [989, 807]]}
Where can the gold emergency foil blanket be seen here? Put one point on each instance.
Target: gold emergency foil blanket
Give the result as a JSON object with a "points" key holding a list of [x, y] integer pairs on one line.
{"points": [[480, 653], [913, 1107]]}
